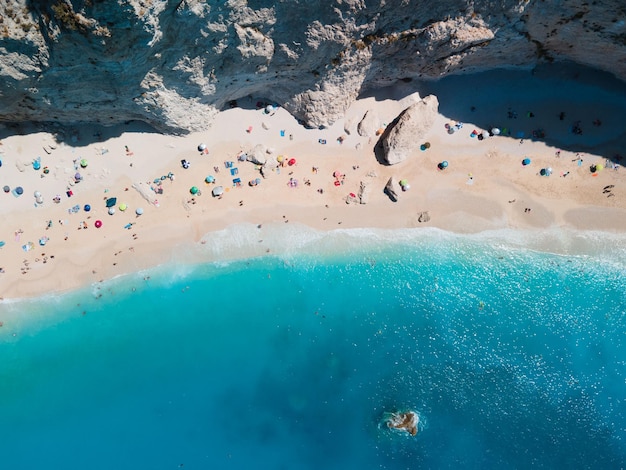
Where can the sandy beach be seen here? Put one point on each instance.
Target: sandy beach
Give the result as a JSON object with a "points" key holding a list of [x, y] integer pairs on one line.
{"points": [[55, 246]]}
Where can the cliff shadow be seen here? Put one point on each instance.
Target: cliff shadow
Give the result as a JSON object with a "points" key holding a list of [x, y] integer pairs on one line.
{"points": [[77, 135], [566, 106]]}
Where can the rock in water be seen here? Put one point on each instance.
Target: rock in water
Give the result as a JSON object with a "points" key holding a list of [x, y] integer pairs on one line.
{"points": [[390, 190], [407, 131], [406, 421]]}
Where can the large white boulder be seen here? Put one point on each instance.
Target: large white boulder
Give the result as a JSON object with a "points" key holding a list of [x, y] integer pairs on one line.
{"points": [[369, 124], [404, 135]]}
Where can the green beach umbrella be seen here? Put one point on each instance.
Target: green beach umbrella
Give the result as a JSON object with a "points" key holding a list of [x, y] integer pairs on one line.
{"points": [[194, 190], [83, 163], [123, 207]]}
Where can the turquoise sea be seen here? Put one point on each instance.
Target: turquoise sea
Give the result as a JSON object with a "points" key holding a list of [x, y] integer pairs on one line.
{"points": [[510, 346]]}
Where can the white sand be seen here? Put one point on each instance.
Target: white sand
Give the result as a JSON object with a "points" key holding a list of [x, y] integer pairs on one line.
{"points": [[485, 186]]}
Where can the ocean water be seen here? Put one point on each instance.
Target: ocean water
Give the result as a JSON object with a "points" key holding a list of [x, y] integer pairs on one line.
{"points": [[509, 345]]}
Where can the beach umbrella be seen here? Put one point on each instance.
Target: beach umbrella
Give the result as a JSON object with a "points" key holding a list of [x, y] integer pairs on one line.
{"points": [[87, 208], [526, 161], [77, 177], [403, 182], [111, 210], [37, 194], [543, 172], [123, 206], [443, 165], [39, 200], [36, 164], [257, 181], [495, 131], [485, 134], [139, 211], [451, 130], [406, 187], [19, 191], [111, 201], [83, 163], [193, 190], [599, 167], [291, 162], [98, 223], [6, 189], [269, 108], [209, 179], [218, 191], [201, 147], [2, 243]]}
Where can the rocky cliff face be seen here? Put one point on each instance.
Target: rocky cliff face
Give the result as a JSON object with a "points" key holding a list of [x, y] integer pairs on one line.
{"points": [[174, 63]]}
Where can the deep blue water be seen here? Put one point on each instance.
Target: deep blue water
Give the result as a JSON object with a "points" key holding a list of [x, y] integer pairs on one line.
{"points": [[513, 357]]}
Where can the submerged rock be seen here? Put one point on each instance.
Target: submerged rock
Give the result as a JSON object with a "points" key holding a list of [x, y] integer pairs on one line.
{"points": [[406, 421]]}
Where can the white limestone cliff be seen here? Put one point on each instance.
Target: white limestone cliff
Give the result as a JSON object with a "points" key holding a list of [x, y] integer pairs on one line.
{"points": [[174, 64]]}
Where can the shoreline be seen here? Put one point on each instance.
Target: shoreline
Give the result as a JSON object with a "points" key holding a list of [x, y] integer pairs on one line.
{"points": [[485, 188]]}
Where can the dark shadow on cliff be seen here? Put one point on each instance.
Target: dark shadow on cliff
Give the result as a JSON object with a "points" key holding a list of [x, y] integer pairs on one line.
{"points": [[79, 135], [567, 106]]}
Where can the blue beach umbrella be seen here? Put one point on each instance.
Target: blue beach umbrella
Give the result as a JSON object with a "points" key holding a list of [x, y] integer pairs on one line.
{"points": [[526, 161], [87, 208], [209, 179]]}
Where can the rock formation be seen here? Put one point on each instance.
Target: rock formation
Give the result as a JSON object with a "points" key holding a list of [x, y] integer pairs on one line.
{"points": [[404, 134], [423, 216], [390, 189], [369, 124], [174, 64], [407, 421]]}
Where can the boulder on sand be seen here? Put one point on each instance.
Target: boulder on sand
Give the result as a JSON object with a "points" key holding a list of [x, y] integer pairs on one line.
{"points": [[257, 155], [369, 124], [390, 190], [405, 134]]}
